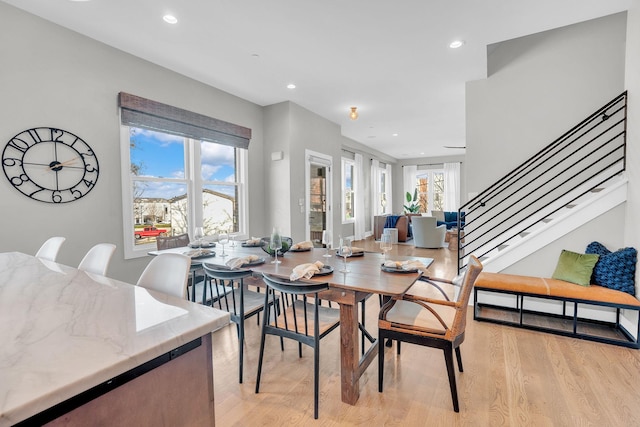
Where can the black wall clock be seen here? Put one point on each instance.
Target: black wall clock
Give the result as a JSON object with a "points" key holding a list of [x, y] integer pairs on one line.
{"points": [[50, 165]]}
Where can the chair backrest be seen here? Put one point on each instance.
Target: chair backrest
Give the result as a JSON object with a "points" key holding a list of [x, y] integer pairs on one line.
{"points": [[438, 215], [424, 222], [293, 287], [224, 273], [474, 268], [297, 315], [167, 273], [97, 259], [50, 248], [171, 242], [223, 292]]}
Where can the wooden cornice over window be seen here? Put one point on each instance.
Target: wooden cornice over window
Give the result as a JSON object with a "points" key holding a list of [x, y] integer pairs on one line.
{"points": [[147, 114]]}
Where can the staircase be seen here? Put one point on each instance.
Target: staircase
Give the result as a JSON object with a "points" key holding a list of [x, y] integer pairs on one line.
{"points": [[568, 183]]}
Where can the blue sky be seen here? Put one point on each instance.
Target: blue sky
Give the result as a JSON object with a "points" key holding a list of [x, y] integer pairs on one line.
{"points": [[161, 155]]}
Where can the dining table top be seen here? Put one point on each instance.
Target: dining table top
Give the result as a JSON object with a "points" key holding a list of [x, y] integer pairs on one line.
{"points": [[366, 273]]}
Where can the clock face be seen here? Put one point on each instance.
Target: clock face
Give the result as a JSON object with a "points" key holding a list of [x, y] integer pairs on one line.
{"points": [[50, 165]]}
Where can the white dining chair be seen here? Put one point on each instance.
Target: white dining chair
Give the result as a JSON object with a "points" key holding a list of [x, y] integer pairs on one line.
{"points": [[97, 259], [50, 248], [167, 273]]}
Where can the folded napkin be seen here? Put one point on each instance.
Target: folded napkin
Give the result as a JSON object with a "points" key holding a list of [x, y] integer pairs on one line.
{"points": [[306, 271], [412, 264], [307, 244], [253, 241], [234, 263], [197, 252], [356, 250]]}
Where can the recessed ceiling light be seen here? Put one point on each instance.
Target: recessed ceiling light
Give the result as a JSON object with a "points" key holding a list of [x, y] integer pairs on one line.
{"points": [[170, 19], [291, 86], [456, 44], [394, 134]]}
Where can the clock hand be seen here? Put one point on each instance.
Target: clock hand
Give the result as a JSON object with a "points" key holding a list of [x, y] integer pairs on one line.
{"points": [[58, 165]]}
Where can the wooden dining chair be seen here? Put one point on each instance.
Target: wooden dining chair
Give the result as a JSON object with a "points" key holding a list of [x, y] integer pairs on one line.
{"points": [[170, 242], [436, 320], [167, 273], [302, 318], [97, 259], [230, 293], [50, 248]]}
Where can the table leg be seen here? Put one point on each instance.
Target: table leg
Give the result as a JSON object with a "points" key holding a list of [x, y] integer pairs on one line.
{"points": [[349, 355]]}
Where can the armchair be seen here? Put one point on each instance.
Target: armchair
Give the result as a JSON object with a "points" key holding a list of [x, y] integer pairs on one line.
{"points": [[430, 321], [427, 233]]}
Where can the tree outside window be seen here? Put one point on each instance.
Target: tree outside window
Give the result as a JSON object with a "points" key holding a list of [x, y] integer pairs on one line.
{"points": [[430, 185]]}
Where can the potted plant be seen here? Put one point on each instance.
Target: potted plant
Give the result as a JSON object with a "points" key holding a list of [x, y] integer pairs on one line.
{"points": [[412, 206]]}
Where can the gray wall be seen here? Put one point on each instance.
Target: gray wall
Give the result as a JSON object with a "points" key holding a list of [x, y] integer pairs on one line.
{"points": [[51, 76], [538, 87], [632, 81]]}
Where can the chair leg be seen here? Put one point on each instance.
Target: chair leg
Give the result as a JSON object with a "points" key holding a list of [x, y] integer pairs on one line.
{"points": [[448, 357], [459, 357], [398, 344], [380, 363], [262, 339], [316, 375], [240, 349]]}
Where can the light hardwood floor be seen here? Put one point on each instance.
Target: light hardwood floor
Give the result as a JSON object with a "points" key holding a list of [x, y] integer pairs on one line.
{"points": [[511, 377]]}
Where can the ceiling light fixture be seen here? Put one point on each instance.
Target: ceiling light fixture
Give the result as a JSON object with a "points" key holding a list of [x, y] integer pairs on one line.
{"points": [[170, 19], [456, 44], [291, 86], [353, 115]]}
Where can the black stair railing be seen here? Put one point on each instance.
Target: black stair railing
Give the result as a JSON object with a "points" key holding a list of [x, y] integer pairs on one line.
{"points": [[585, 157]]}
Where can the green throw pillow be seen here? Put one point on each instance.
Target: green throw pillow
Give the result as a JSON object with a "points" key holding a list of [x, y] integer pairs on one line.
{"points": [[575, 268]]}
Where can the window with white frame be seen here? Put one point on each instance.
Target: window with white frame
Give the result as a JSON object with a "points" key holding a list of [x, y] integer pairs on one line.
{"points": [[381, 189], [348, 190], [430, 184], [174, 183]]}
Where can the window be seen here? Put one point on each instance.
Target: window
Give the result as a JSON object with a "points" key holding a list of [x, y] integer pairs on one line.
{"points": [[430, 190], [173, 182], [384, 192], [381, 188], [348, 190]]}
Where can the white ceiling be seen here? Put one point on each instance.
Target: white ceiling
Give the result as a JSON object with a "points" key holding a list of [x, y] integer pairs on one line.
{"points": [[390, 58]]}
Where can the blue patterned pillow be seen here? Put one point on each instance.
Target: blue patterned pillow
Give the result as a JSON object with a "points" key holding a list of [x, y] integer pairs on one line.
{"points": [[614, 270]]}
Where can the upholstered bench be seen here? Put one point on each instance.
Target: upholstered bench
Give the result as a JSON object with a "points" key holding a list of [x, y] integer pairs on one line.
{"points": [[513, 312]]}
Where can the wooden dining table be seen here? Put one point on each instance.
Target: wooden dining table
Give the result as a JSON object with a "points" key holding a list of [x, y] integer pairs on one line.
{"points": [[365, 278]]}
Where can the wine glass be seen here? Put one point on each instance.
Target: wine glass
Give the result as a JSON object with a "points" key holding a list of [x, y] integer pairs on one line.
{"points": [[326, 241], [198, 234], [275, 244], [223, 239], [233, 237], [345, 251], [385, 244]]}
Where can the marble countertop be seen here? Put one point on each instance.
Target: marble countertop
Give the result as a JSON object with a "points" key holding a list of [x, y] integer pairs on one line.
{"points": [[65, 331]]}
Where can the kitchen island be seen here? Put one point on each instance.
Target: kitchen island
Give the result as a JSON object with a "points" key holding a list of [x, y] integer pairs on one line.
{"points": [[80, 349]]}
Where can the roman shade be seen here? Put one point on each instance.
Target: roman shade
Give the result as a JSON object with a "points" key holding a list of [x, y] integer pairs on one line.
{"points": [[147, 114]]}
